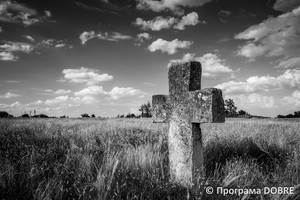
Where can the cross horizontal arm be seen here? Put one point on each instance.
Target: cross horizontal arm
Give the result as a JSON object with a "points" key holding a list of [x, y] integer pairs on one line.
{"points": [[206, 106]]}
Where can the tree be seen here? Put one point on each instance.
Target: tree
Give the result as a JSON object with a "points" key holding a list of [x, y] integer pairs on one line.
{"points": [[145, 109], [93, 116], [85, 115], [242, 112], [3, 114], [43, 116], [130, 115], [230, 108], [25, 115]]}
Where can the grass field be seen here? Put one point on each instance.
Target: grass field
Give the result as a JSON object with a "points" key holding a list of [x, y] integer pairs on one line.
{"points": [[128, 159]]}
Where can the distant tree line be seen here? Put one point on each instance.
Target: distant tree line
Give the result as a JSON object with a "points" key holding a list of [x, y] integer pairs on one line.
{"points": [[85, 115], [145, 109], [231, 110], [295, 115], [4, 114]]}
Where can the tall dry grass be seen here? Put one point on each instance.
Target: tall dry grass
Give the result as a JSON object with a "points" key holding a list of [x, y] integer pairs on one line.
{"points": [[128, 159]]}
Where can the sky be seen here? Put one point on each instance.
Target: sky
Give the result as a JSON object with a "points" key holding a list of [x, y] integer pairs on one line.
{"points": [[108, 57]]}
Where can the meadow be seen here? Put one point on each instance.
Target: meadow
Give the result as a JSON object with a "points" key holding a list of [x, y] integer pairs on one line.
{"points": [[128, 159]]}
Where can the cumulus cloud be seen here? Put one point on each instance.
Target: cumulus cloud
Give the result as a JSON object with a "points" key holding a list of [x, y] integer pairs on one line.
{"points": [[28, 37], [141, 37], [289, 63], [289, 79], [16, 46], [114, 36], [55, 43], [224, 13], [159, 23], [8, 95], [57, 100], [115, 93], [48, 13], [60, 91], [273, 37], [85, 75], [156, 24], [251, 51], [212, 65], [8, 56], [86, 36], [286, 5], [119, 92], [8, 48], [14, 12], [173, 5], [293, 100], [190, 19], [66, 101], [169, 47], [91, 90], [253, 100]]}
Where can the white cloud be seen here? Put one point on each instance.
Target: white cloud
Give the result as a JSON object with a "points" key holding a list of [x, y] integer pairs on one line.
{"points": [[174, 5], [286, 5], [156, 24], [17, 46], [8, 95], [14, 12], [66, 101], [55, 43], [9, 47], [91, 90], [253, 100], [224, 12], [212, 65], [86, 36], [60, 45], [190, 19], [114, 36], [251, 51], [159, 23], [144, 36], [60, 91], [273, 37], [28, 37], [141, 37], [48, 13], [85, 75], [290, 63], [293, 100], [119, 92], [289, 79], [169, 47], [115, 93], [8, 56], [57, 100]]}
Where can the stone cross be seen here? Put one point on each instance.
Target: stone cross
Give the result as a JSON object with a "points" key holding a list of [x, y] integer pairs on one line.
{"points": [[185, 108]]}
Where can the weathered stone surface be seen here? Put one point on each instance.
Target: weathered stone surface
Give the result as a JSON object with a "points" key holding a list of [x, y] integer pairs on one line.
{"points": [[206, 106], [183, 78], [160, 107], [187, 107]]}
